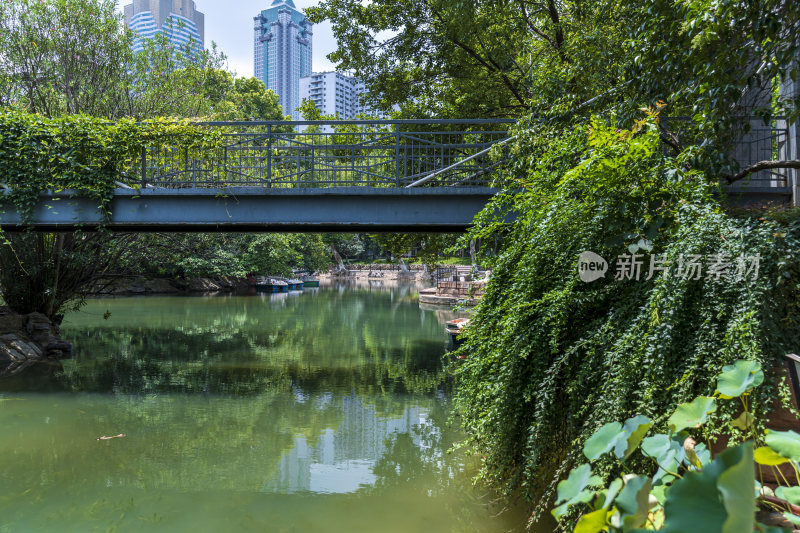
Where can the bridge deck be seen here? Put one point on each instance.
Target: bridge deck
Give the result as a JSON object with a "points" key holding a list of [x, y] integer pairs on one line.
{"points": [[246, 209]]}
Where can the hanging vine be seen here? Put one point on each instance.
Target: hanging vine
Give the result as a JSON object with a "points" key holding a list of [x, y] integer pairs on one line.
{"points": [[551, 357], [85, 155]]}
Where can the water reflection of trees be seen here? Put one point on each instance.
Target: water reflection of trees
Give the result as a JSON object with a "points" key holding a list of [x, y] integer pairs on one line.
{"points": [[245, 378], [145, 361], [327, 340]]}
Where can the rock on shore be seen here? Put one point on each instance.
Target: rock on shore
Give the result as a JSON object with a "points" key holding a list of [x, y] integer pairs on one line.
{"points": [[29, 338]]}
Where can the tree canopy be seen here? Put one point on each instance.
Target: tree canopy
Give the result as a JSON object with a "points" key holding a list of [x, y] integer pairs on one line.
{"points": [[441, 58], [629, 112], [451, 58]]}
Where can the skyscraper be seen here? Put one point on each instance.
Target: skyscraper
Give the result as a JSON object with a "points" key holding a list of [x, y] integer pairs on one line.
{"points": [[336, 93], [283, 52], [179, 20]]}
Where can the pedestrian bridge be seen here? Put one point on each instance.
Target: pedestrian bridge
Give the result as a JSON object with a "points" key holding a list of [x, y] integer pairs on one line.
{"points": [[349, 176], [363, 175]]}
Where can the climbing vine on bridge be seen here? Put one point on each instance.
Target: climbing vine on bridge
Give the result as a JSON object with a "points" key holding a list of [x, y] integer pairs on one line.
{"points": [[551, 357], [82, 154]]}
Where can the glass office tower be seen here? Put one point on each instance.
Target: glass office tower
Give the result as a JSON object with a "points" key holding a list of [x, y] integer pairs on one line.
{"points": [[283, 52]]}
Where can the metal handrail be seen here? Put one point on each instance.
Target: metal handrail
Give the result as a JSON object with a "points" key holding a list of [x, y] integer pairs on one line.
{"points": [[456, 165], [376, 153], [359, 122]]}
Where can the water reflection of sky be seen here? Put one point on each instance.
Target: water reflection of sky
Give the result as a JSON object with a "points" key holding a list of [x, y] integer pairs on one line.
{"points": [[341, 460]]}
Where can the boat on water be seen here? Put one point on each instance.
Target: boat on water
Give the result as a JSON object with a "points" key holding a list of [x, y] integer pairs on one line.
{"points": [[454, 329], [295, 284], [272, 285], [310, 282]]}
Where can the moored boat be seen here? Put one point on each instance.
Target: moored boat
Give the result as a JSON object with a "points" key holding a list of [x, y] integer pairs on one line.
{"points": [[454, 329], [310, 282], [295, 284], [272, 285]]}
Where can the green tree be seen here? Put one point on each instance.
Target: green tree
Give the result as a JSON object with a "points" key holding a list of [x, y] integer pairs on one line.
{"points": [[281, 253], [550, 358], [238, 99], [223, 255], [162, 81], [429, 247], [430, 64], [453, 59], [59, 57], [65, 57]]}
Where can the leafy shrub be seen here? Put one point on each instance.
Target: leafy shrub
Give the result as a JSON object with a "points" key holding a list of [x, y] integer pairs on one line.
{"points": [[690, 491], [87, 155]]}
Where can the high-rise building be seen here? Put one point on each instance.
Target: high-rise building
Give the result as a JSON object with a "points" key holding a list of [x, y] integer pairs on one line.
{"points": [[283, 52], [179, 20], [335, 93]]}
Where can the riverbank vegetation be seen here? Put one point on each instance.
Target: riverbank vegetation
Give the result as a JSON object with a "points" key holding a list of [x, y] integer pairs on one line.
{"points": [[51, 82], [552, 358], [71, 122]]}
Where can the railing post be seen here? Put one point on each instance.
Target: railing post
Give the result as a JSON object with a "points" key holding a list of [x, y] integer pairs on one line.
{"points": [[269, 155], [144, 167], [186, 167], [443, 165], [397, 155], [298, 167]]}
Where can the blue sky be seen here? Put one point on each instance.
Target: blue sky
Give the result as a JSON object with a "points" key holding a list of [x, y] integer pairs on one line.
{"points": [[229, 23]]}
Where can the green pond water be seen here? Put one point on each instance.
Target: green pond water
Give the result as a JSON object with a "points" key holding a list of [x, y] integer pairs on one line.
{"points": [[326, 410]]}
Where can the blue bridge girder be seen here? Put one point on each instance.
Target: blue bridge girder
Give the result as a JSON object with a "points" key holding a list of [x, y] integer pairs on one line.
{"points": [[251, 209]]}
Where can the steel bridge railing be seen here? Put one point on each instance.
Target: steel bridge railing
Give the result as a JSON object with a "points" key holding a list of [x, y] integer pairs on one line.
{"points": [[319, 154], [751, 141]]}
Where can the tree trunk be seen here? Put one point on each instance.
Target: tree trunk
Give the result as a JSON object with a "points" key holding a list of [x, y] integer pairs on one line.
{"points": [[338, 258]]}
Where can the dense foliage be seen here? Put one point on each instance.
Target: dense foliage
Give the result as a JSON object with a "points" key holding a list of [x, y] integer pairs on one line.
{"points": [[224, 255], [84, 154], [551, 358], [711, 62], [63, 57], [238, 255], [689, 491], [67, 58], [429, 64]]}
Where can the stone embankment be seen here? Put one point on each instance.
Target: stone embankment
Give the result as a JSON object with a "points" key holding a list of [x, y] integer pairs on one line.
{"points": [[453, 292], [26, 339], [379, 271]]}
